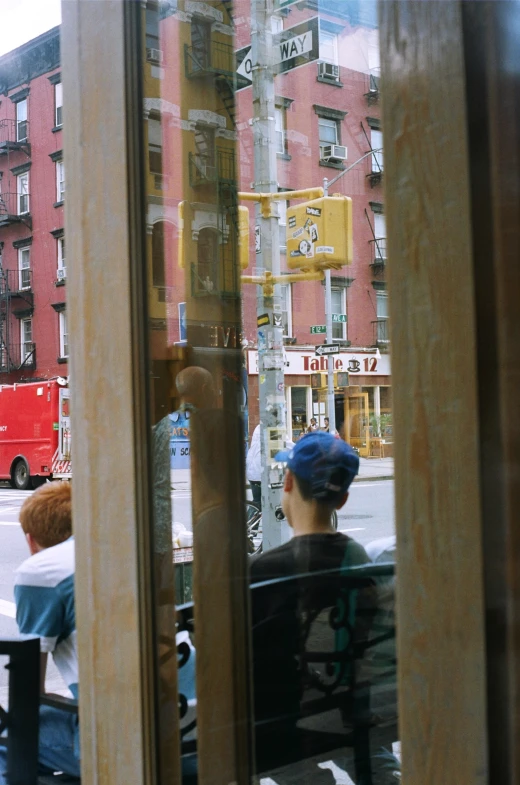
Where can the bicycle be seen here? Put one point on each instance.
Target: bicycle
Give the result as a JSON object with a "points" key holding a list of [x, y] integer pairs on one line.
{"points": [[254, 525]]}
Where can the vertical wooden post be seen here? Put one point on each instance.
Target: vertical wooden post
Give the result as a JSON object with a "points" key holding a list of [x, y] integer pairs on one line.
{"points": [[442, 663]]}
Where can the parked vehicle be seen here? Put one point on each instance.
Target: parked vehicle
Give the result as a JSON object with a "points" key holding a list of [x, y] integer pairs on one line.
{"points": [[35, 439]]}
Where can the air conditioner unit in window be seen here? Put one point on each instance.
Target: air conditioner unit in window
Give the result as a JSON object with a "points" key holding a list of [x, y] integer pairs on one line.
{"points": [[154, 55], [335, 153], [328, 71], [62, 273]]}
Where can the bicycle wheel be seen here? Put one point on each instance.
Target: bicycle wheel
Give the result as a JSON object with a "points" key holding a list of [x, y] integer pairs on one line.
{"points": [[254, 527]]}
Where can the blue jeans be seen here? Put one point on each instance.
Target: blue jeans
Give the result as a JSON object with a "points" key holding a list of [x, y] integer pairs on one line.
{"points": [[59, 743]]}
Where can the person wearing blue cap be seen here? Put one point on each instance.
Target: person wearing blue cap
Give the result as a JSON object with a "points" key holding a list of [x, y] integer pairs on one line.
{"points": [[320, 469]]}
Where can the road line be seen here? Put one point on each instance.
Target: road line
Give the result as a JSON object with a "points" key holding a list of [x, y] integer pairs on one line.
{"points": [[352, 530], [8, 609], [9, 523], [369, 484]]}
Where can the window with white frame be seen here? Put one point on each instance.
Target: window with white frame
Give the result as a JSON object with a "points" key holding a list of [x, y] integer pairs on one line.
{"points": [[328, 132], [60, 181], [26, 339], [21, 121], [24, 267], [376, 142], [380, 237], [276, 24], [339, 309], [22, 191], [328, 47], [58, 104], [64, 334], [280, 117], [382, 305], [62, 267], [155, 145]]}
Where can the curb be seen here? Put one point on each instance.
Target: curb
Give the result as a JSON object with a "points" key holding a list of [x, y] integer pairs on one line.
{"points": [[372, 479]]}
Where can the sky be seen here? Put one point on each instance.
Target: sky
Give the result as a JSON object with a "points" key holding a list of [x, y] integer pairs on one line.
{"points": [[22, 20]]}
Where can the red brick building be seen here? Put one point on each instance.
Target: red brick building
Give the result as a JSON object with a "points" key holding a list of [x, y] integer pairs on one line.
{"points": [[33, 323], [327, 118]]}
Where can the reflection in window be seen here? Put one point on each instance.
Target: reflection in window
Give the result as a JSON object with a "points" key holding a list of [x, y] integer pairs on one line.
{"points": [[158, 236], [207, 260]]}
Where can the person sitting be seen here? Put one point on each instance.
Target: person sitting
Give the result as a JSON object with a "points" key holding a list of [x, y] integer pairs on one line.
{"points": [[319, 472], [44, 596]]}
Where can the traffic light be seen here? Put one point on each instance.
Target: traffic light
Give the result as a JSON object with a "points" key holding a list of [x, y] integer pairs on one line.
{"points": [[318, 381], [319, 234], [341, 379]]}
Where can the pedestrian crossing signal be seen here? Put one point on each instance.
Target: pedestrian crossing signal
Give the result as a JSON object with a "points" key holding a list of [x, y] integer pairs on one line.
{"points": [[319, 234]]}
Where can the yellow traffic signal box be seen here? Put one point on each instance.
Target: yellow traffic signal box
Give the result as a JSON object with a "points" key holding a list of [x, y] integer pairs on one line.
{"points": [[319, 234]]}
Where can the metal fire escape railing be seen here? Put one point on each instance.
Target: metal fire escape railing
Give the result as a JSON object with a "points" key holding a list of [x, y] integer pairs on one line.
{"points": [[14, 355]]}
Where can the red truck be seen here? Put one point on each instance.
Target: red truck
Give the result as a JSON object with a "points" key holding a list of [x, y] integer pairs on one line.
{"points": [[34, 432]]}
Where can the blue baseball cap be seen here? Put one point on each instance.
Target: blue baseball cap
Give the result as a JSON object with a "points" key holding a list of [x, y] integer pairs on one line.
{"points": [[329, 464]]}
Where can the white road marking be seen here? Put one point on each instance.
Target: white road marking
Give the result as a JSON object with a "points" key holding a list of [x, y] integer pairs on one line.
{"points": [[9, 523], [8, 609], [368, 484], [340, 777], [352, 530]]}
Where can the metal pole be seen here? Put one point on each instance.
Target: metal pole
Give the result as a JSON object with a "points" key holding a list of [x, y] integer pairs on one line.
{"points": [[269, 305], [331, 408]]}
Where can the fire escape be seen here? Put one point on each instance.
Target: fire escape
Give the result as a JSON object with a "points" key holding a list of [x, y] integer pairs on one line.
{"points": [[17, 352], [212, 170]]}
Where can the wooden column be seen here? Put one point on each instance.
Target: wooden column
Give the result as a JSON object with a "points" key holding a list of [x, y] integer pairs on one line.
{"points": [[442, 664], [111, 464]]}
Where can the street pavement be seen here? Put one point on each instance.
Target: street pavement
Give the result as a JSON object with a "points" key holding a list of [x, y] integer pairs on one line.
{"points": [[367, 515]]}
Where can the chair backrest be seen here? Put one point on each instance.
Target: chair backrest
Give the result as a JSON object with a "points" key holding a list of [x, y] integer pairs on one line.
{"points": [[21, 720], [312, 635]]}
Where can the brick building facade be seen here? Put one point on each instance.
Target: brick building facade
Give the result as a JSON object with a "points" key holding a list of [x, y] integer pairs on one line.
{"points": [[33, 323]]}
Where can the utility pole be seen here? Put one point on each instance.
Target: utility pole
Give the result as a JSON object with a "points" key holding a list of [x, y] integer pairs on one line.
{"points": [[331, 407], [269, 308]]}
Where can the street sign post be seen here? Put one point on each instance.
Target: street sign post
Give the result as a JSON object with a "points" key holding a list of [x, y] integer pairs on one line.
{"points": [[318, 329], [293, 47], [326, 349]]}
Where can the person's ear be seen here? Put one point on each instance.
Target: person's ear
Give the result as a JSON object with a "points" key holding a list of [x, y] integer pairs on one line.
{"points": [[342, 501], [33, 545], [288, 481]]}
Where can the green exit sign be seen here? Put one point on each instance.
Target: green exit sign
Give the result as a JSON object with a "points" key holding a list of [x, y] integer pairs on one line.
{"points": [[339, 317], [318, 328]]}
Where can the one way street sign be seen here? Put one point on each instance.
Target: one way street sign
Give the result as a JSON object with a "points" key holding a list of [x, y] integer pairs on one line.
{"points": [[327, 348]]}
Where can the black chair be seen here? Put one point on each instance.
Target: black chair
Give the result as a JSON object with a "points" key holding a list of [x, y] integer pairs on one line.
{"points": [[21, 720], [317, 641]]}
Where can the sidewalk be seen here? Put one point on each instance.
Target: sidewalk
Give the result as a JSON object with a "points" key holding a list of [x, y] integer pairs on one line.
{"points": [[369, 469]]}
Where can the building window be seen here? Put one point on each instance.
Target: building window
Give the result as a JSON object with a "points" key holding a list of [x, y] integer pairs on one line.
{"points": [[158, 238], [328, 132], [60, 181], [379, 237], [200, 44], [339, 309], [24, 268], [376, 142], [155, 145], [286, 310], [207, 261], [328, 47], [382, 305], [62, 268], [58, 104], [22, 191], [152, 30], [21, 121], [64, 335], [280, 118], [276, 24], [206, 150], [26, 340]]}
